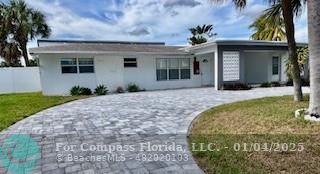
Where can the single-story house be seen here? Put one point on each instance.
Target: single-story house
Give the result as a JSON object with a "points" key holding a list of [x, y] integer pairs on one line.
{"points": [[154, 65]]}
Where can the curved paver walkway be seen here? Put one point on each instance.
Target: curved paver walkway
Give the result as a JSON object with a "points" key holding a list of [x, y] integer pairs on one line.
{"points": [[124, 120]]}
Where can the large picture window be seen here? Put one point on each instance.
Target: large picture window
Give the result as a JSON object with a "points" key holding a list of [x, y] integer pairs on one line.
{"points": [[173, 69], [74, 65]]}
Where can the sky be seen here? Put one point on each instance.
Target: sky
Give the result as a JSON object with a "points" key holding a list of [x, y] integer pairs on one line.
{"points": [[150, 20]]}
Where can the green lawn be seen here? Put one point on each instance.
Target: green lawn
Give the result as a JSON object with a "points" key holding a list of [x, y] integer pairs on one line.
{"points": [[262, 128], [15, 107]]}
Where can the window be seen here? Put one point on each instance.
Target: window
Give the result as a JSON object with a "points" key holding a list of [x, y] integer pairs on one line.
{"points": [[130, 62], [69, 66], [162, 69], [74, 65], [185, 69], [86, 65], [173, 69], [275, 65]]}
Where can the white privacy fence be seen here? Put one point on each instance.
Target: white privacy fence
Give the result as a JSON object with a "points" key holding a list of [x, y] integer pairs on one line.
{"points": [[22, 79]]}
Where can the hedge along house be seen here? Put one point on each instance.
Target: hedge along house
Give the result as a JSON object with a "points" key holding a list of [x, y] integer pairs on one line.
{"points": [[154, 66]]}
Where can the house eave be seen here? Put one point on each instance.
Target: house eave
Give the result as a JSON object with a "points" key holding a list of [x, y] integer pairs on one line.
{"points": [[109, 53]]}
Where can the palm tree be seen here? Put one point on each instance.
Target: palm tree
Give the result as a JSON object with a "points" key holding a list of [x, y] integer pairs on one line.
{"points": [[303, 55], [314, 47], [28, 24], [290, 8], [8, 51], [200, 34], [269, 25]]}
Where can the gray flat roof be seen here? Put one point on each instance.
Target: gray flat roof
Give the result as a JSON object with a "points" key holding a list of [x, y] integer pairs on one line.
{"points": [[98, 42], [109, 48], [255, 43], [106, 47]]}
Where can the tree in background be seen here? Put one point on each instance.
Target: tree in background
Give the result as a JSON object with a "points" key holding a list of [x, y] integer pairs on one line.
{"points": [[269, 25], [290, 9], [8, 51], [303, 55], [200, 34], [23, 23]]}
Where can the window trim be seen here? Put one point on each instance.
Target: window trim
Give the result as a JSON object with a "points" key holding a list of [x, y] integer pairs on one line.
{"points": [[168, 69]]}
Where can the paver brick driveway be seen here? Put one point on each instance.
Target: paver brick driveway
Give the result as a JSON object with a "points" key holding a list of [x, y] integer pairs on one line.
{"points": [[159, 117]]}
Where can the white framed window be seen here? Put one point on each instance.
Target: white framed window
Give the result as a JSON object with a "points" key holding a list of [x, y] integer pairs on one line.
{"points": [[130, 62], [162, 68], [75, 65], [231, 66], [173, 69], [69, 66], [275, 65], [86, 65], [185, 70]]}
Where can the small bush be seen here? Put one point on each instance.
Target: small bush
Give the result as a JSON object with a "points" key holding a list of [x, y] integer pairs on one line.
{"points": [[236, 86], [275, 84], [120, 90], [133, 87], [289, 83], [76, 90], [86, 91], [305, 82], [265, 85], [101, 90]]}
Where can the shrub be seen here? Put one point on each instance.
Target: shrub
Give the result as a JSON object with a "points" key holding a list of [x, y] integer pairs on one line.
{"points": [[289, 83], [236, 86], [265, 85], [275, 84], [305, 82], [76, 90], [86, 91], [120, 90], [133, 87], [101, 90]]}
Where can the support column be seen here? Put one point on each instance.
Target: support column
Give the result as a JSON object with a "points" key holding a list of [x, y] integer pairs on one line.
{"points": [[216, 70]]}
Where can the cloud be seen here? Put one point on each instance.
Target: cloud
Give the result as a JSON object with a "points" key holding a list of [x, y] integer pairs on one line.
{"points": [[148, 20], [139, 32], [187, 3]]}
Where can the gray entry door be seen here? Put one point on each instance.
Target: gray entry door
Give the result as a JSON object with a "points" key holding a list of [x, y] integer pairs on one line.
{"points": [[205, 72]]}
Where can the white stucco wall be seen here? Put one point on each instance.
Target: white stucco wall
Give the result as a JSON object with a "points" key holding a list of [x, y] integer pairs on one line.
{"points": [[109, 70], [53, 82]]}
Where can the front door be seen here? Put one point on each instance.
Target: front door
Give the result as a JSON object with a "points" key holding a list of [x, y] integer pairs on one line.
{"points": [[205, 72]]}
